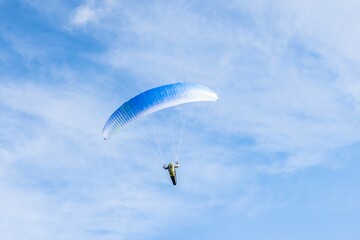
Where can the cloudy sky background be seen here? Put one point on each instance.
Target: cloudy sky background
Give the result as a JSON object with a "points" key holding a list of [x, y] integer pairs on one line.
{"points": [[275, 158]]}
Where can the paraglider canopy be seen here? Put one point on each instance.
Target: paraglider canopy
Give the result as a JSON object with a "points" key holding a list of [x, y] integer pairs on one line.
{"points": [[154, 100]]}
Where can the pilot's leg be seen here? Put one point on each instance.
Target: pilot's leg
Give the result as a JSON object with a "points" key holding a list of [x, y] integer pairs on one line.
{"points": [[173, 179]]}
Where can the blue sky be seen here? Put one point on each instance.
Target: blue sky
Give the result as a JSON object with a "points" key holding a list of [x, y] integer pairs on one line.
{"points": [[275, 158]]}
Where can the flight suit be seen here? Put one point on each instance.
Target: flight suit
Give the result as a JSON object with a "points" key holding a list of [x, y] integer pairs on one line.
{"points": [[172, 172]]}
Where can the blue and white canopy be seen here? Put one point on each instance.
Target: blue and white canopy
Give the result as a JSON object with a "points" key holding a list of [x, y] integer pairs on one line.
{"points": [[154, 100]]}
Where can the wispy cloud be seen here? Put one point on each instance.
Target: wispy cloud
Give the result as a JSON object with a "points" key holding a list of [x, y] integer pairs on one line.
{"points": [[91, 12], [83, 15], [279, 83], [288, 89], [56, 151]]}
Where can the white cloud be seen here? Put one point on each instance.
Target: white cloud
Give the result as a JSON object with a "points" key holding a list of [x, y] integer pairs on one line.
{"points": [[276, 83], [53, 149], [24, 217], [288, 100], [91, 12], [84, 15], [274, 66]]}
